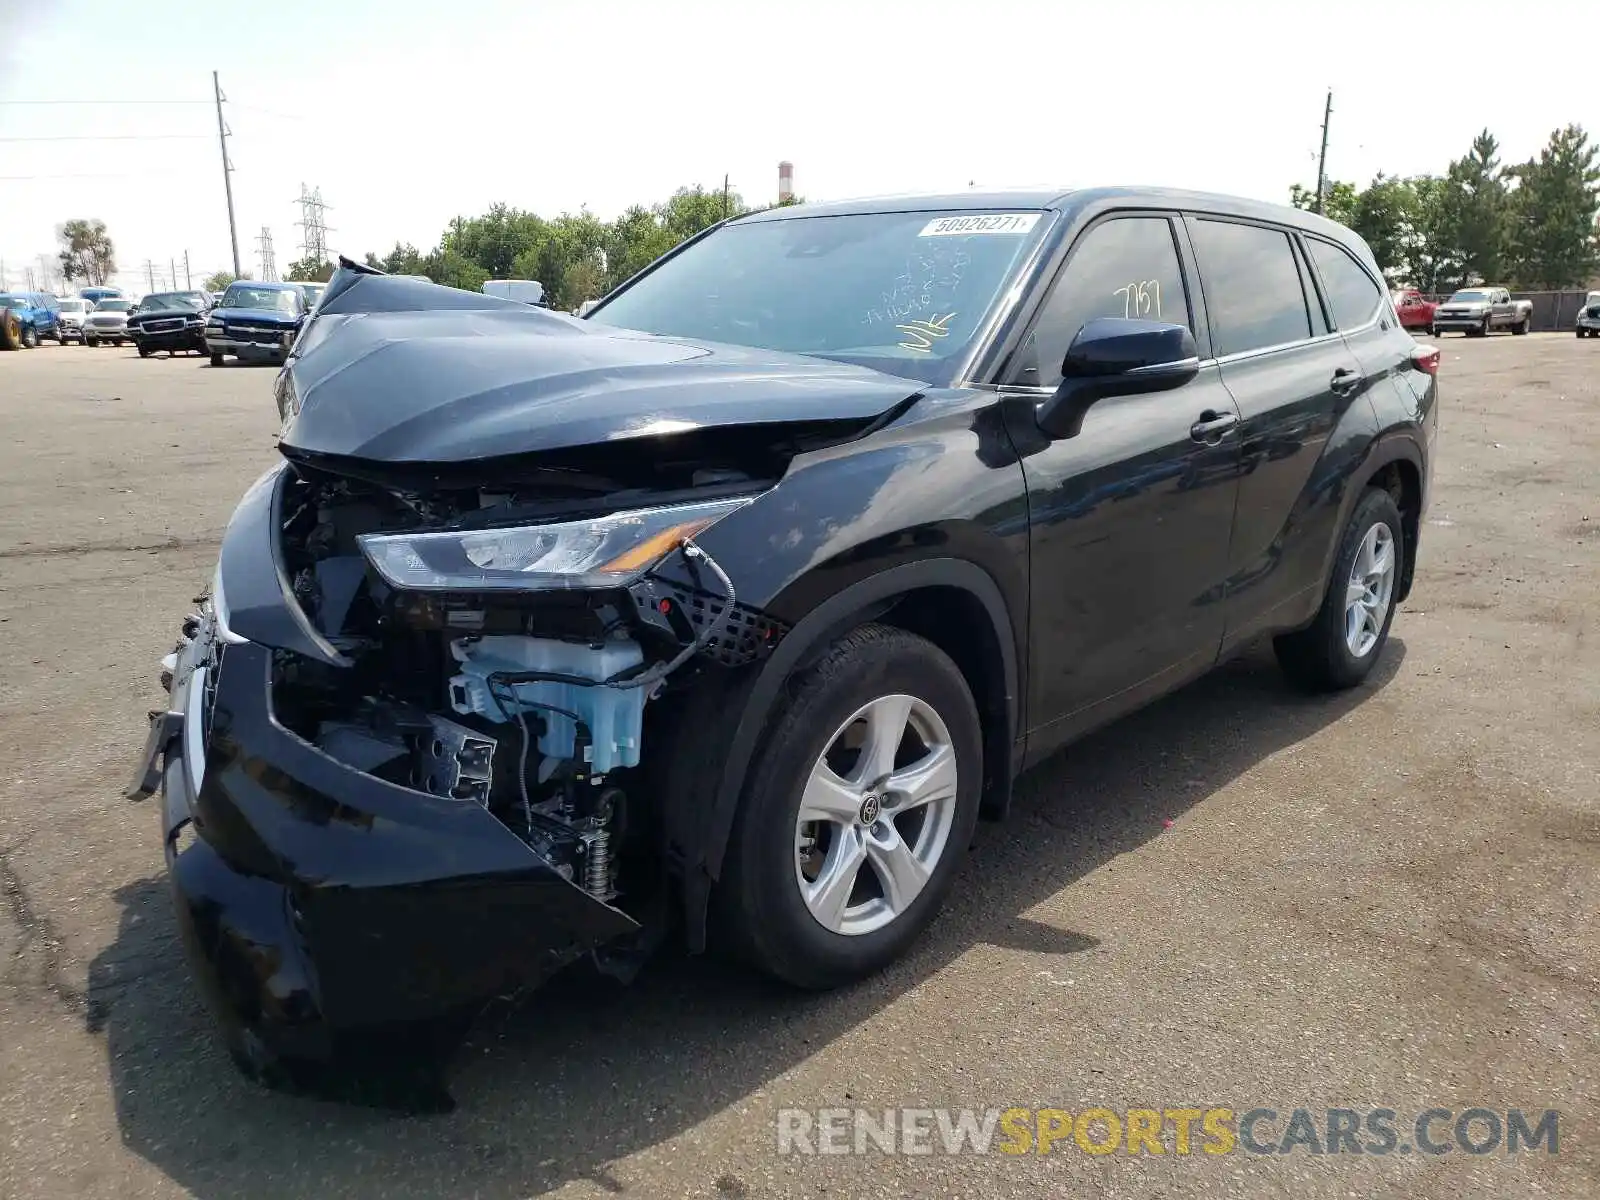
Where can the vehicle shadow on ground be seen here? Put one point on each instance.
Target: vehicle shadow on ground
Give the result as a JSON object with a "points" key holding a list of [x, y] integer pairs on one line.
{"points": [[588, 1072]]}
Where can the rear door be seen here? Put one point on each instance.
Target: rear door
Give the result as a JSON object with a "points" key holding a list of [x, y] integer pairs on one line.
{"points": [[1292, 377], [1129, 519]]}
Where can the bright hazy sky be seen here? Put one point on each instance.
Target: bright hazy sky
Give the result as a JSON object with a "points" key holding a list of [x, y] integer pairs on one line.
{"points": [[407, 113]]}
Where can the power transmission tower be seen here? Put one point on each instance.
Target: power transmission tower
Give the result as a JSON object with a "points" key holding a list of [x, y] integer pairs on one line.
{"points": [[1322, 158], [223, 134], [269, 264], [313, 223]]}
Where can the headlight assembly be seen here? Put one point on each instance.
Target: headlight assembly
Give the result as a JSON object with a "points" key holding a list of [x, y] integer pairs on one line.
{"points": [[609, 551]]}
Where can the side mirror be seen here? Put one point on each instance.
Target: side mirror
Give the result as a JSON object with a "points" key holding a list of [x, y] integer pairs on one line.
{"points": [[1117, 356]]}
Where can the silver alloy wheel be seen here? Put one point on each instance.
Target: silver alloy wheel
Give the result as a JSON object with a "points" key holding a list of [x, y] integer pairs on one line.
{"points": [[1367, 595], [881, 796]]}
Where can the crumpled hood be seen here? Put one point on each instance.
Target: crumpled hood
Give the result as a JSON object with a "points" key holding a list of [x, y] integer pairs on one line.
{"points": [[398, 371]]}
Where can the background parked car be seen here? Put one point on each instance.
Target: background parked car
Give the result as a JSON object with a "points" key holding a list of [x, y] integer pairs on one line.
{"points": [[96, 294], [1478, 311], [170, 321], [1588, 324], [1415, 310], [107, 322], [72, 312], [35, 315], [255, 321]]}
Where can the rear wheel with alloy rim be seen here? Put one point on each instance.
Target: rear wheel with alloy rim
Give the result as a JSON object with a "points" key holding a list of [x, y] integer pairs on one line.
{"points": [[1340, 648], [858, 813]]}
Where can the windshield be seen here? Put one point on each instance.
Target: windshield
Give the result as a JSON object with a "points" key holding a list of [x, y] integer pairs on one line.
{"points": [[164, 300], [13, 302], [113, 306], [904, 292], [75, 306], [281, 299], [1470, 297]]}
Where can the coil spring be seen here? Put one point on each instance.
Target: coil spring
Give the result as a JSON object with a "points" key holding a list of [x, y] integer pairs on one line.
{"points": [[597, 865]]}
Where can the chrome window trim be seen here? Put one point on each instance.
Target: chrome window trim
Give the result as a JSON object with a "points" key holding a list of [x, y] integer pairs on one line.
{"points": [[1002, 311]]}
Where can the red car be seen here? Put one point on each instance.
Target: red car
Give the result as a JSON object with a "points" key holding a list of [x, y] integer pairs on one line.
{"points": [[1416, 311]]}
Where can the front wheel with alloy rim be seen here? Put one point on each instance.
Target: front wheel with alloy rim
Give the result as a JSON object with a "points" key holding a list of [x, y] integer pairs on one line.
{"points": [[854, 822], [30, 337], [1340, 648]]}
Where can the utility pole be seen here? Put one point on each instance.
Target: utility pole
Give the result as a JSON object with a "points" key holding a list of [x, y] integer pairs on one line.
{"points": [[173, 264], [188, 283], [724, 197], [150, 273], [227, 170], [1322, 158]]}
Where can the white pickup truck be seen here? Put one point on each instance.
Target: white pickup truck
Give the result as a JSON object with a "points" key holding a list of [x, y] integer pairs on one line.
{"points": [[1479, 311]]}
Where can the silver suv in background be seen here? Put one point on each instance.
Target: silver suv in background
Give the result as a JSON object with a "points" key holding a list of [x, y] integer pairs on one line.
{"points": [[1588, 323], [1479, 311]]}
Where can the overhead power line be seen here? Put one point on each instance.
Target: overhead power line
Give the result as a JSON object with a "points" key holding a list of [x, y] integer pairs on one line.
{"points": [[107, 137], [118, 103]]}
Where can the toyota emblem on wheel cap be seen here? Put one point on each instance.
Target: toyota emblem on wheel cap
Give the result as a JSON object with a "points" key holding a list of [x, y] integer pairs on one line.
{"points": [[870, 808]]}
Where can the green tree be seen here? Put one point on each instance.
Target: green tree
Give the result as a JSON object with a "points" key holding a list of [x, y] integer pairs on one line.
{"points": [[309, 270], [452, 269], [219, 280], [1473, 212], [1383, 214], [86, 251], [1550, 238], [1338, 201], [1430, 259], [497, 239]]}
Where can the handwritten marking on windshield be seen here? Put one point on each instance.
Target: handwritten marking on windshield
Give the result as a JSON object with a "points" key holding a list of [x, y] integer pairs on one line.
{"points": [[920, 335], [1141, 299]]}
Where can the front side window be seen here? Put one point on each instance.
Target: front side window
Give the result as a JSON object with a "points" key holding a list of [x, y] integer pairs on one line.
{"points": [[1352, 294], [1124, 267], [1254, 297], [904, 292]]}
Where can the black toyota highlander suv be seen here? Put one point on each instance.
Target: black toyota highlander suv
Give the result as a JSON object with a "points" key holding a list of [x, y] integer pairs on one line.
{"points": [[727, 610]]}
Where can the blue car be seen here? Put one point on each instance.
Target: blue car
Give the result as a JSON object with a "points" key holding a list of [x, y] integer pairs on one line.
{"points": [[255, 321], [36, 315]]}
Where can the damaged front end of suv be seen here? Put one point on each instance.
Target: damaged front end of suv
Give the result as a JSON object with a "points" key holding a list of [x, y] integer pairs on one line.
{"points": [[414, 754]]}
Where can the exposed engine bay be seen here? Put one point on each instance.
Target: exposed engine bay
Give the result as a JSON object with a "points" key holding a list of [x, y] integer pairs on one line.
{"points": [[531, 702]]}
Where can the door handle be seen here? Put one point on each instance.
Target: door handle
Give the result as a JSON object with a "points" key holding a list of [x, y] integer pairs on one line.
{"points": [[1345, 379], [1212, 425]]}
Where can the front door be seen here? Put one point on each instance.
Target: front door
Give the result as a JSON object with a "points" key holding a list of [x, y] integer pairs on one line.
{"points": [[1129, 520]]}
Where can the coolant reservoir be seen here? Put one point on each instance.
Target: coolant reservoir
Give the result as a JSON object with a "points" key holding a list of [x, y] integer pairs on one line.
{"points": [[614, 716]]}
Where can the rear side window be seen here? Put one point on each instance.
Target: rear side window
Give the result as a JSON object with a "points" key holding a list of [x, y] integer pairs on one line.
{"points": [[1254, 297], [1124, 267], [1352, 295]]}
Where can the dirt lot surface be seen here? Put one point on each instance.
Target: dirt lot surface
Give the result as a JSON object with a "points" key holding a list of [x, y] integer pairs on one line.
{"points": [[1385, 899]]}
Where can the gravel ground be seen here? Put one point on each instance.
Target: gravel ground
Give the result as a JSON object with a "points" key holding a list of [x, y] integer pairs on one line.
{"points": [[1240, 897]]}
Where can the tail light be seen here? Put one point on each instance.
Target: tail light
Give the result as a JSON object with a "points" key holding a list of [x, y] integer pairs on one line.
{"points": [[1426, 359]]}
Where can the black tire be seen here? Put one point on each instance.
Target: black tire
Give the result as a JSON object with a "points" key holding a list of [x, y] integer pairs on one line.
{"points": [[10, 330], [1318, 657], [144, 351], [760, 912], [1432, 332], [30, 337], [216, 360], [1521, 327]]}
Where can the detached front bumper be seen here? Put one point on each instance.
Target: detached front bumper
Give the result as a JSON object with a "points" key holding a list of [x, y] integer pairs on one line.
{"points": [[317, 902]]}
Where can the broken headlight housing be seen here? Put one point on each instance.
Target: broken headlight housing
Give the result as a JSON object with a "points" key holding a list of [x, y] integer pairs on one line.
{"points": [[608, 551]]}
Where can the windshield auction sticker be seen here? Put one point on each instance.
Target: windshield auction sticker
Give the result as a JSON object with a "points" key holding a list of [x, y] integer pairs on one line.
{"points": [[1003, 223]]}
